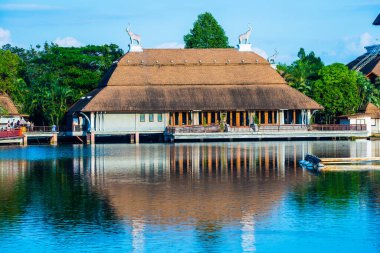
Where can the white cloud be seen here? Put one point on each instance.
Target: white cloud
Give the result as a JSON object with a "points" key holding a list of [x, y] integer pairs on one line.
{"points": [[5, 36], [67, 42], [356, 44], [260, 52], [28, 7], [170, 45]]}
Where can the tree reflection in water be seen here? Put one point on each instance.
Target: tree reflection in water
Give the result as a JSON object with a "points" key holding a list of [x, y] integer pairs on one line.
{"points": [[63, 198], [221, 191]]}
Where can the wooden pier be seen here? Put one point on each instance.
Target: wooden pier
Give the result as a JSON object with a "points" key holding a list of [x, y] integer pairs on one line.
{"points": [[350, 164], [22, 135], [284, 135]]}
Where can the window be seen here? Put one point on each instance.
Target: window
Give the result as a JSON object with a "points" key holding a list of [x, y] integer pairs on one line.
{"points": [[159, 117], [373, 122], [142, 117], [151, 117]]}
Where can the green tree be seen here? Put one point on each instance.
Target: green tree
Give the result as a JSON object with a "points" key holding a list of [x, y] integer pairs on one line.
{"points": [[302, 72], [369, 92], [337, 90], [206, 33], [9, 66], [52, 78]]}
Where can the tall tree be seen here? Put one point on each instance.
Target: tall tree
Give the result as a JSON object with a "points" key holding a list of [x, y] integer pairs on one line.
{"points": [[9, 67], [337, 90], [206, 33], [302, 72]]}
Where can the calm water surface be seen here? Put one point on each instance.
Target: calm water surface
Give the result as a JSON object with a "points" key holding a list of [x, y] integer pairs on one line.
{"points": [[218, 197]]}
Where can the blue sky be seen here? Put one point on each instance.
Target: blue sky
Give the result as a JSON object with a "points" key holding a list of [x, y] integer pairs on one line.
{"points": [[336, 30]]}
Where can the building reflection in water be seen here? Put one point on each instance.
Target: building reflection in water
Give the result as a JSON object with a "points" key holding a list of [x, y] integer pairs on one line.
{"points": [[205, 186], [209, 184]]}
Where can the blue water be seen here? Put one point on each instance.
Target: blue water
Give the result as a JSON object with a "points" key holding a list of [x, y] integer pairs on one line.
{"points": [[217, 197]]}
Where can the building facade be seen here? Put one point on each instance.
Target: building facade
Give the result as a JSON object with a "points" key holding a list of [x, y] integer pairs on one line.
{"points": [[369, 116], [148, 90]]}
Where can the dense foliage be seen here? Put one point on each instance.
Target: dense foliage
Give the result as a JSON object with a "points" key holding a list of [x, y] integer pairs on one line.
{"points": [[50, 79], [339, 90], [206, 33], [302, 72]]}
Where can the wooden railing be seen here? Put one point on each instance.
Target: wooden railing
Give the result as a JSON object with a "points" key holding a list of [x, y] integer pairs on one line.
{"points": [[79, 128], [264, 128], [338, 127], [11, 133], [282, 128], [42, 129], [193, 129]]}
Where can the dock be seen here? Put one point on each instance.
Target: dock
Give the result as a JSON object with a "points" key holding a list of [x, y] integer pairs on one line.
{"points": [[22, 136], [352, 167], [282, 135], [350, 164]]}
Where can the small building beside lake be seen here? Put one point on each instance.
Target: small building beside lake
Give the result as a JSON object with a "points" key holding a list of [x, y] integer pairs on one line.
{"points": [[368, 115], [8, 111], [146, 91]]}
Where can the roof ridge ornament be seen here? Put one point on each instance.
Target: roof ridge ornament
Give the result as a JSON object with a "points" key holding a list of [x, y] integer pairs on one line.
{"points": [[134, 37], [244, 45]]}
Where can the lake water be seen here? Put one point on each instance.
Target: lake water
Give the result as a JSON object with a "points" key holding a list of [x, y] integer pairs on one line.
{"points": [[203, 197]]}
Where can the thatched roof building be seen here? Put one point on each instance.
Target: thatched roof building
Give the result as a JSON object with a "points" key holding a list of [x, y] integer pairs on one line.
{"points": [[190, 87], [370, 110], [368, 115], [193, 79], [7, 104]]}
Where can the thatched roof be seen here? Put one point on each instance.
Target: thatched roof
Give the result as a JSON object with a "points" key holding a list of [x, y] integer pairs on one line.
{"points": [[194, 79], [370, 110], [7, 104], [377, 20]]}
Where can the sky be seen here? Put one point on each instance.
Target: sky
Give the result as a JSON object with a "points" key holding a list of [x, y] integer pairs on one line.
{"points": [[336, 30]]}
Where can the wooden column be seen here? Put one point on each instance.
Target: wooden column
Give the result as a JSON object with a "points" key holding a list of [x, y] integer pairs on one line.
{"points": [[137, 138], [209, 118], [172, 119], [54, 139], [273, 118], [259, 117], [238, 119], [266, 117], [231, 115], [294, 117], [25, 140], [90, 138], [180, 118]]}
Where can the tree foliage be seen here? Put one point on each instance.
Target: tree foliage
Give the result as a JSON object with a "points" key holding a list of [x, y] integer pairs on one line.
{"points": [[335, 87], [9, 69], [206, 33], [52, 78], [337, 90], [302, 72]]}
